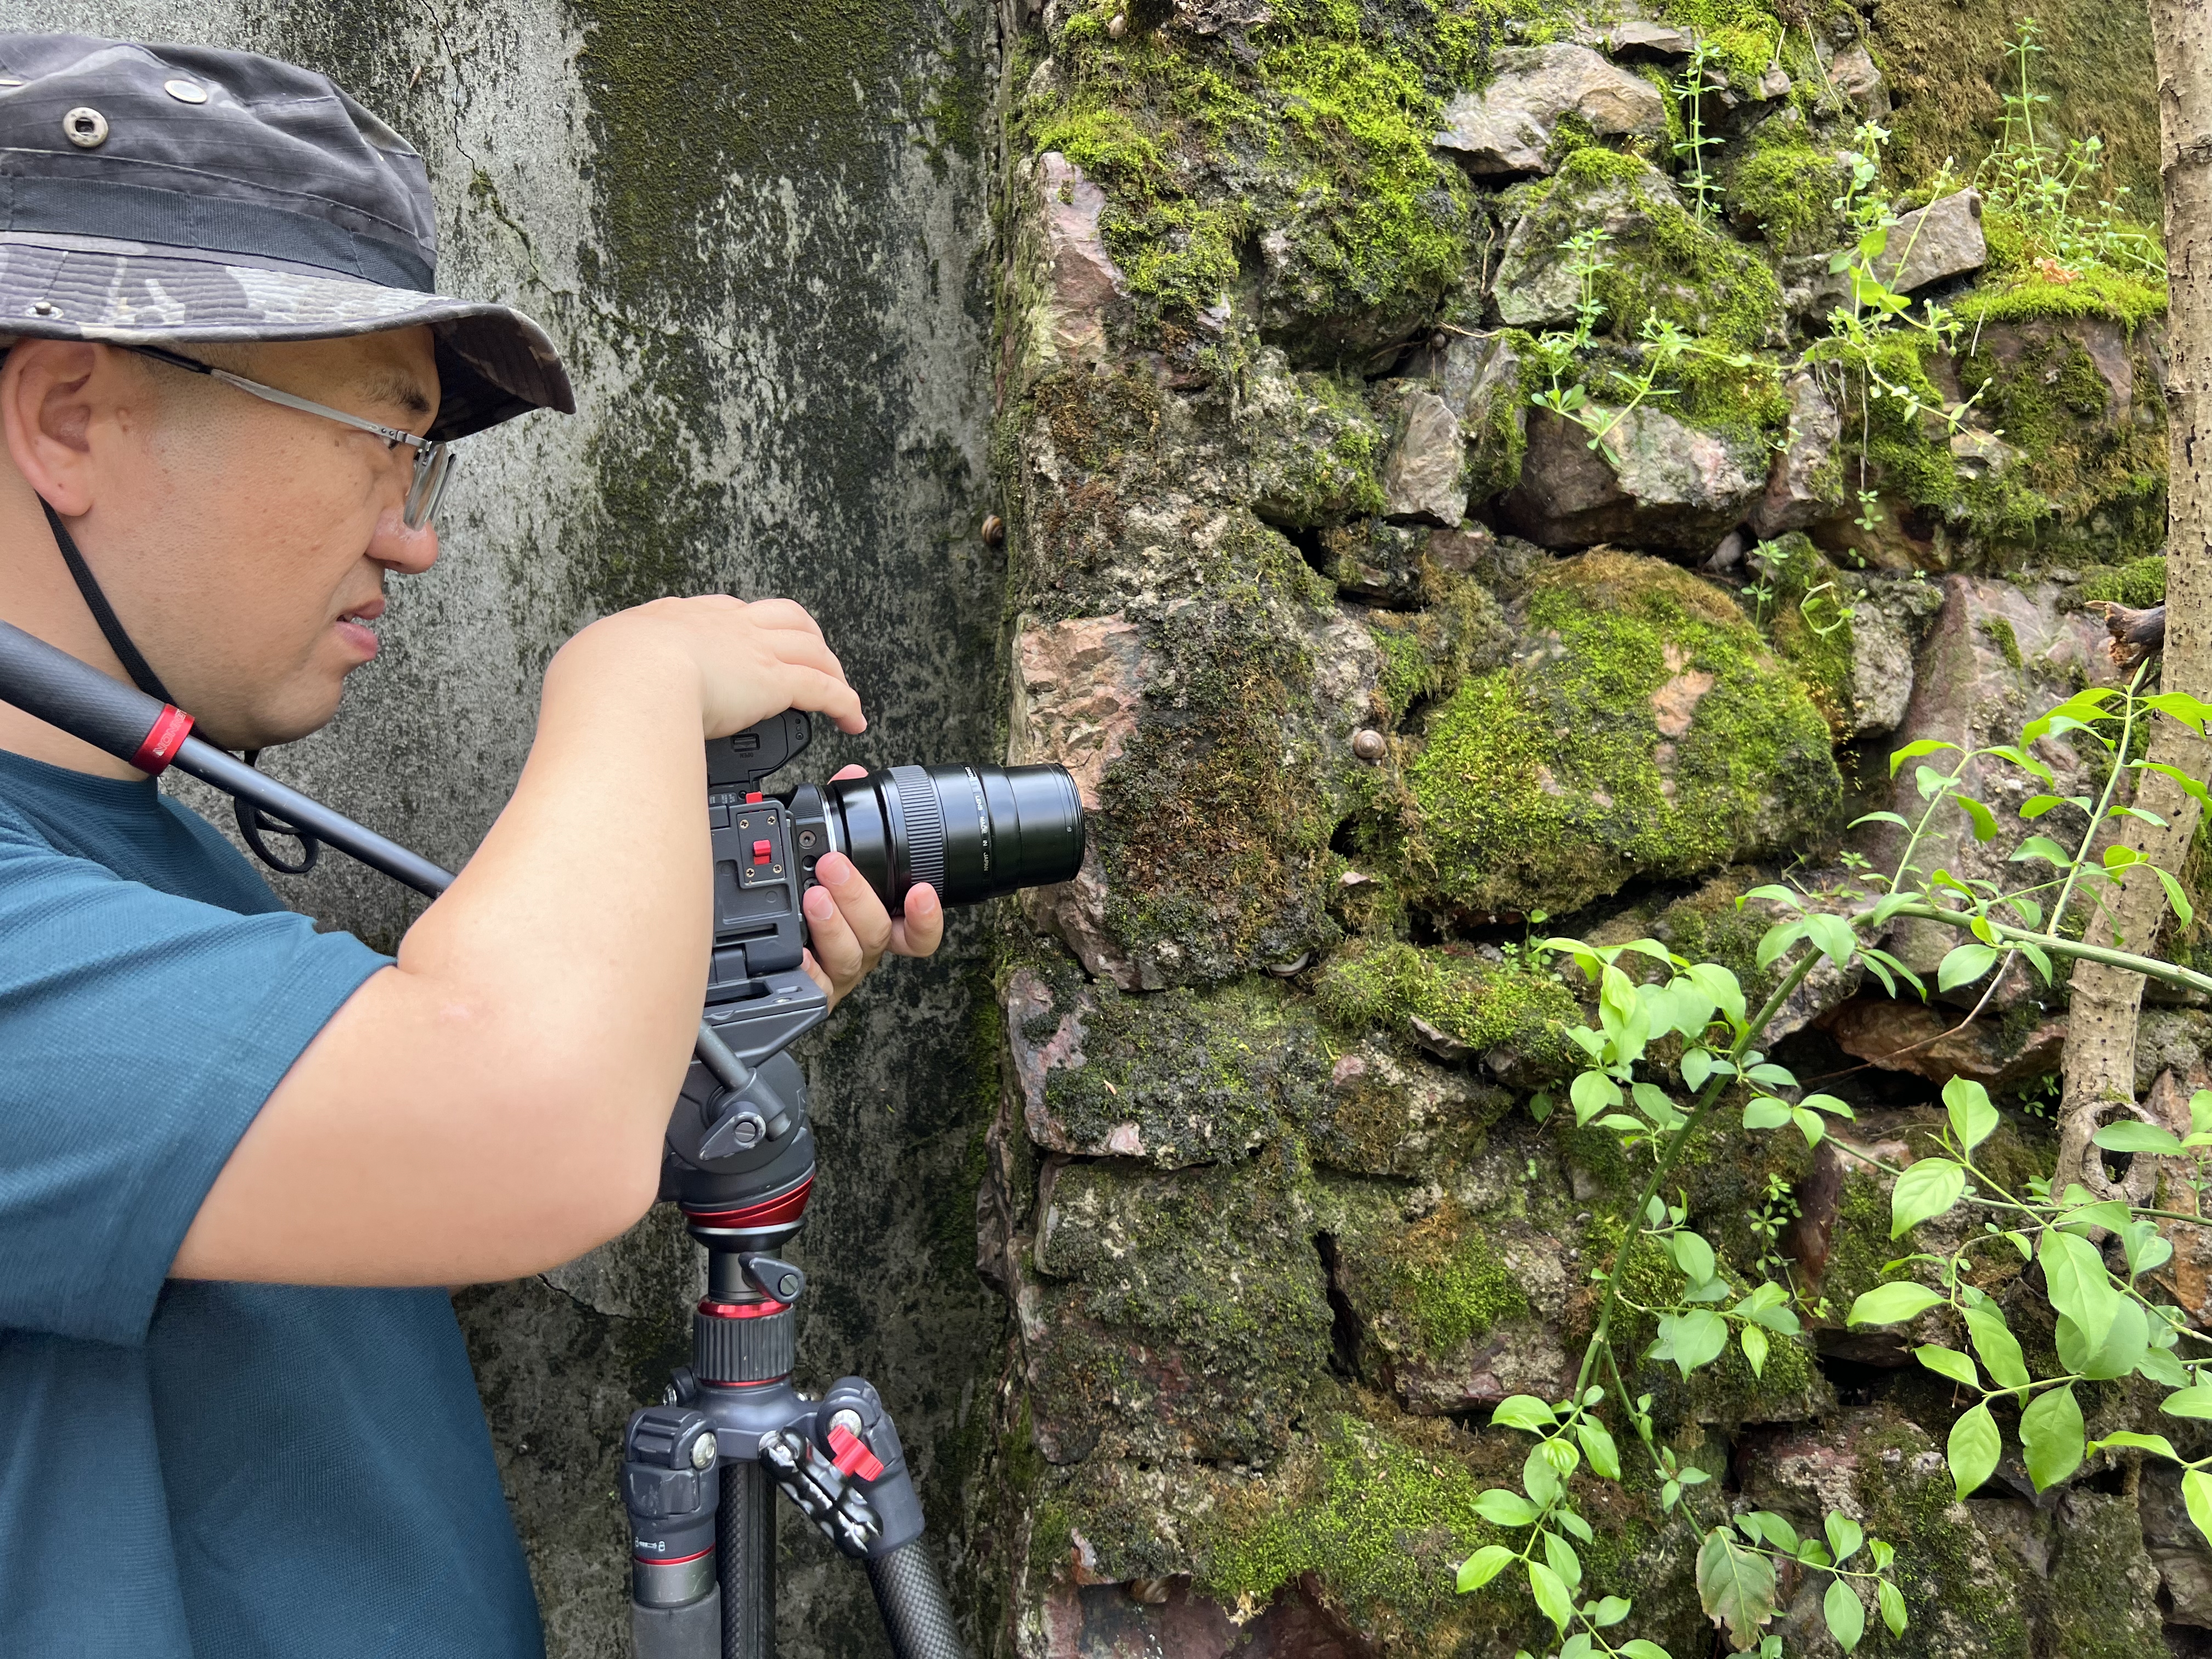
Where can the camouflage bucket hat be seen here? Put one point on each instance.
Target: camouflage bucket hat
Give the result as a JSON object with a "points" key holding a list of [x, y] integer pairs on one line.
{"points": [[160, 195]]}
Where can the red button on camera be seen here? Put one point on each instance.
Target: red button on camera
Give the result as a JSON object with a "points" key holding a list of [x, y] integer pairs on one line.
{"points": [[760, 852]]}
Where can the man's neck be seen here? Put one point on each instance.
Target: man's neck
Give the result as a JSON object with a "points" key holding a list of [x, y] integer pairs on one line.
{"points": [[37, 595]]}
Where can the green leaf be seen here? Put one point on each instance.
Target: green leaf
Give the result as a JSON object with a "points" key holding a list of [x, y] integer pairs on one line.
{"points": [[1891, 1303], [2020, 759], [2042, 846], [1766, 1526], [1845, 1613], [1697, 1067], [1597, 1446], [2183, 912], [1808, 1125], [1736, 1585], [2195, 1400], [1999, 1349], [1775, 940], [1485, 1564], [1592, 1092], [1833, 937], [2200, 1112], [1691, 1340], [2121, 1351], [1845, 1536], [1559, 1555], [1973, 1120], [1766, 1113], [1949, 1362], [1880, 817], [1893, 1608], [1964, 965], [1523, 1411], [1638, 1648], [2051, 1437], [2180, 706], [1722, 986], [1552, 1600], [2196, 1493], [1926, 1190], [1985, 829], [1692, 1256], [1502, 1508], [2149, 1442], [1914, 751], [1973, 1450], [2137, 1137], [1754, 1349], [2080, 1288], [2036, 805]]}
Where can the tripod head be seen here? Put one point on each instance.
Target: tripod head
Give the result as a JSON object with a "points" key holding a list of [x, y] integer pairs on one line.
{"points": [[739, 1159]]}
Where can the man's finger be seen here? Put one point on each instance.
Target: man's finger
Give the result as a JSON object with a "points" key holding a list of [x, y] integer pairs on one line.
{"points": [[836, 947], [845, 772], [780, 613], [921, 929], [857, 902]]}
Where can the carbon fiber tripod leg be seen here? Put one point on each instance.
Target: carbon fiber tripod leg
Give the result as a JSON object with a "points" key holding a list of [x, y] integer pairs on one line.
{"points": [[745, 1558], [911, 1598]]}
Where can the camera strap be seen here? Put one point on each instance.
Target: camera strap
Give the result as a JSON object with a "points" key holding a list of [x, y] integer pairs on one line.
{"points": [[134, 662]]}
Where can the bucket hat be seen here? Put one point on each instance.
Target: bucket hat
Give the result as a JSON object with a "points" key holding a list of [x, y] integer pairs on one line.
{"points": [[157, 195]]}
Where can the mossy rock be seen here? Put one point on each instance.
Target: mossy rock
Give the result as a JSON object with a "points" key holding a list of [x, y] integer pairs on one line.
{"points": [[2138, 584], [1465, 1004], [1175, 1314], [1177, 1077], [1782, 184], [1314, 446], [1662, 262], [1645, 731], [1388, 1112]]}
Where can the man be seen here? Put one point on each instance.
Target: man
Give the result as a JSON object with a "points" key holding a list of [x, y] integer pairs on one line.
{"points": [[225, 1138]]}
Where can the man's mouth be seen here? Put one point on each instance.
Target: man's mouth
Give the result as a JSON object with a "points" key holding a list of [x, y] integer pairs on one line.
{"points": [[356, 626]]}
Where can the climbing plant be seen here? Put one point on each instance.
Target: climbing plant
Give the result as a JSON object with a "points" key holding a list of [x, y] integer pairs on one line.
{"points": [[1676, 1039]]}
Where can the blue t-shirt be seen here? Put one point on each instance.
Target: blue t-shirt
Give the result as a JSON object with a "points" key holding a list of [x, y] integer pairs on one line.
{"points": [[194, 1469]]}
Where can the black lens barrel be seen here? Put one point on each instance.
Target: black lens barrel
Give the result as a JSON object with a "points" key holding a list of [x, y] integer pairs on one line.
{"points": [[971, 832]]}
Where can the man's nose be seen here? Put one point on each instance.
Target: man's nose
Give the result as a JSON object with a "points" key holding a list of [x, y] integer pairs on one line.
{"points": [[409, 552]]}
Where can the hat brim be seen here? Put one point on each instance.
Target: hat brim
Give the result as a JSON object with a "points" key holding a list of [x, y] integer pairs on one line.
{"points": [[493, 363]]}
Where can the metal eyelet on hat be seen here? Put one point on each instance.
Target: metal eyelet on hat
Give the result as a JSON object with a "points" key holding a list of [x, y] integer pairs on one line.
{"points": [[85, 127], [184, 92], [45, 309]]}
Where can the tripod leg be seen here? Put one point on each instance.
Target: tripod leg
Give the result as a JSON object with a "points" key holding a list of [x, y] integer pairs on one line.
{"points": [[911, 1598], [745, 1547]]}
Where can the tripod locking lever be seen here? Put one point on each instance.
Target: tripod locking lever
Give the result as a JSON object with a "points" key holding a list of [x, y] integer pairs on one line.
{"points": [[772, 1278], [819, 1488]]}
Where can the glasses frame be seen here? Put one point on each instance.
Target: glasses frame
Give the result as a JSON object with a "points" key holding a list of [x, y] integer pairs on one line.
{"points": [[434, 457]]}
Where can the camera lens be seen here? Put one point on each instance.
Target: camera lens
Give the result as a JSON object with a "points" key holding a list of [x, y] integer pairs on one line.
{"points": [[971, 832]]}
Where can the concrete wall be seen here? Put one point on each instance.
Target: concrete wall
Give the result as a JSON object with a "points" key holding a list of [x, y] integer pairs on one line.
{"points": [[758, 231]]}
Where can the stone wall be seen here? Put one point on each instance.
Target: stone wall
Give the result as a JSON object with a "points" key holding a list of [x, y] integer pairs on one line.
{"points": [[1374, 668], [757, 232]]}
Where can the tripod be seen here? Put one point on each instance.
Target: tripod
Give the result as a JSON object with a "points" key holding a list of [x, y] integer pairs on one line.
{"points": [[698, 1469]]}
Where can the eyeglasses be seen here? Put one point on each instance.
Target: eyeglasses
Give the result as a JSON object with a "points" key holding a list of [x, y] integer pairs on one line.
{"points": [[433, 457]]}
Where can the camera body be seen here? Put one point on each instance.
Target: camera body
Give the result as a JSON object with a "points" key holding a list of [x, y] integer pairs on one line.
{"points": [[738, 1157]]}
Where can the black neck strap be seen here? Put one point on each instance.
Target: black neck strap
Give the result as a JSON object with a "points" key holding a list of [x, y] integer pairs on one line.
{"points": [[134, 663]]}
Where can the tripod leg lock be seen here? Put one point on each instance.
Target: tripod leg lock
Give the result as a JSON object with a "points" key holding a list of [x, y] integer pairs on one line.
{"points": [[672, 1485]]}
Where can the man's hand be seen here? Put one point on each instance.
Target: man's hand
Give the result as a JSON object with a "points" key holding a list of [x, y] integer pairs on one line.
{"points": [[849, 929]]}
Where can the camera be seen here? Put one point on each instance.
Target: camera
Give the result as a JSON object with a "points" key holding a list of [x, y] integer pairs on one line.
{"points": [[971, 832]]}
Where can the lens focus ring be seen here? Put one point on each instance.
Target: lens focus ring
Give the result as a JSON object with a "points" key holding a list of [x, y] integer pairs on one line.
{"points": [[925, 826]]}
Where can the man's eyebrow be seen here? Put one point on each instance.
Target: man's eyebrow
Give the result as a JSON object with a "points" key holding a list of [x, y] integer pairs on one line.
{"points": [[396, 388]]}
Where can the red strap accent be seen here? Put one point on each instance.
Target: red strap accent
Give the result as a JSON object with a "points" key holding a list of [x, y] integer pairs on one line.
{"points": [[162, 744], [853, 1456]]}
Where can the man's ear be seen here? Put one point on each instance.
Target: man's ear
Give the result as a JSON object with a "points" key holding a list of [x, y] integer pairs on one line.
{"points": [[48, 390]]}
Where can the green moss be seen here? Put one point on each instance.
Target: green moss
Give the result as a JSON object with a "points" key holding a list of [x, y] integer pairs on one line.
{"points": [[1380, 1523], [2138, 584], [1316, 459], [1908, 1498], [1405, 668], [1434, 1284], [1787, 187], [1552, 783], [2002, 636], [2016, 288], [1484, 1006]]}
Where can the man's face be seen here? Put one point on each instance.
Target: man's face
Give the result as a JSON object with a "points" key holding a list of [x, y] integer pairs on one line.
{"points": [[245, 544]]}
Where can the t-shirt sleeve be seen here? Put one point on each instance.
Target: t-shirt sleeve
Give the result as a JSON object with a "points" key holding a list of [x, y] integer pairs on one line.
{"points": [[139, 1034]]}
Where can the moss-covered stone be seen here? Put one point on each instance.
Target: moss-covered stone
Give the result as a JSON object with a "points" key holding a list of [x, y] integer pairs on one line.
{"points": [[2138, 584], [1315, 448], [1646, 731], [1177, 1314], [1475, 1005]]}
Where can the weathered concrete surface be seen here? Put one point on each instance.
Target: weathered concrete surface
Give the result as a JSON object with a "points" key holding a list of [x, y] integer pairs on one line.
{"points": [[756, 230]]}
